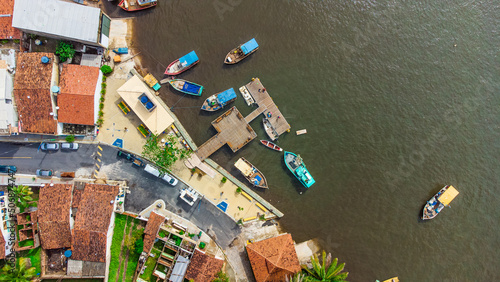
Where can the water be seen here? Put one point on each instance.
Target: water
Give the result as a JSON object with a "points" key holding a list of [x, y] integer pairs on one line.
{"points": [[398, 100]]}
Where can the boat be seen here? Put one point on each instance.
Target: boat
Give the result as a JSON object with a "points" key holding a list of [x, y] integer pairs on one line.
{"points": [[186, 87], [393, 279], [298, 168], [270, 129], [241, 52], [121, 51], [271, 145], [219, 100], [251, 173], [182, 64], [137, 5], [436, 204], [152, 82]]}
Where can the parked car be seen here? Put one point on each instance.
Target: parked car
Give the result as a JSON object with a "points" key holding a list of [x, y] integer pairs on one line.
{"points": [[44, 172], [69, 146], [49, 146], [167, 177], [6, 168]]}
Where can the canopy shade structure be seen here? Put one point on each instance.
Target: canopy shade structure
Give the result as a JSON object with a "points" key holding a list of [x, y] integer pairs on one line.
{"points": [[188, 59], [244, 167], [226, 96], [448, 195], [249, 46]]}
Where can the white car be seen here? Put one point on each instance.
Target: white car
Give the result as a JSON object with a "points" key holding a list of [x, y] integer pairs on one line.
{"points": [[167, 177], [170, 179], [69, 146]]}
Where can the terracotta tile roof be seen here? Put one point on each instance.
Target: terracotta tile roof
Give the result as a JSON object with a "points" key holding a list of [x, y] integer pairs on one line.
{"points": [[152, 227], [6, 29], [32, 93], [203, 268], [75, 109], [92, 222], [77, 79], [2, 245], [53, 216], [77, 196], [272, 259]]}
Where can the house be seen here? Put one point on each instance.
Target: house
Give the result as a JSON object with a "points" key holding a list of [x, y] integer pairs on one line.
{"points": [[6, 29], [54, 216], [78, 99], [2, 245], [62, 20], [273, 259], [8, 117], [34, 101], [203, 267], [151, 230]]}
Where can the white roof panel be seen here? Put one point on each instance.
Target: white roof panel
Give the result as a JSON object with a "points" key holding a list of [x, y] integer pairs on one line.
{"points": [[58, 18]]}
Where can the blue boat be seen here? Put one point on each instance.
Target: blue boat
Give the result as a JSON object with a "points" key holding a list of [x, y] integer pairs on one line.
{"points": [[182, 64], [187, 87], [298, 168], [120, 51], [219, 100], [241, 52]]}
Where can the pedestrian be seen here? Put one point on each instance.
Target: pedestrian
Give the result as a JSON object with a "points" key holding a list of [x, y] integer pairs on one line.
{"points": [[264, 90], [259, 89]]}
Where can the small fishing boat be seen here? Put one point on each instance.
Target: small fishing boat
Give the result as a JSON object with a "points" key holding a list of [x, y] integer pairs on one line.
{"points": [[241, 52], [186, 87], [393, 279], [298, 168], [121, 51], [219, 100], [436, 204], [137, 5], [251, 173], [182, 64], [270, 129], [271, 145]]}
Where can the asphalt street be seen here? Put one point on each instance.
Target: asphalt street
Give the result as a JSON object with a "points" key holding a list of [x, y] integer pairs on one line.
{"points": [[145, 188]]}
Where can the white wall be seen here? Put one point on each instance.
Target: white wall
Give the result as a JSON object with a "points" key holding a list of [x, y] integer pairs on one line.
{"points": [[97, 97]]}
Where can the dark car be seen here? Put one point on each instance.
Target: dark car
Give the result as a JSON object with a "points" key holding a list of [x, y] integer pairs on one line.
{"points": [[49, 146], [44, 172], [6, 168]]}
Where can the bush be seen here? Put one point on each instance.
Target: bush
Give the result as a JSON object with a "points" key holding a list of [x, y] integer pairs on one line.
{"points": [[139, 245], [103, 85], [181, 232], [103, 79], [17, 41], [238, 190], [65, 51], [262, 217], [70, 138], [100, 121], [4, 41], [223, 180], [202, 245], [106, 69], [162, 234], [101, 113], [103, 91], [101, 106], [102, 99]]}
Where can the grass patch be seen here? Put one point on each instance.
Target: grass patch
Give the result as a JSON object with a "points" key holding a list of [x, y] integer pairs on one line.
{"points": [[116, 243], [133, 259], [150, 263], [159, 244], [26, 243], [35, 256]]}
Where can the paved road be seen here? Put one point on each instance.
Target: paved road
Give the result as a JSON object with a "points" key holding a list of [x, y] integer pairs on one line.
{"points": [[145, 188]]}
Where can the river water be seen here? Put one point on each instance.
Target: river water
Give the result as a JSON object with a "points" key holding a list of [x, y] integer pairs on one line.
{"points": [[398, 98]]}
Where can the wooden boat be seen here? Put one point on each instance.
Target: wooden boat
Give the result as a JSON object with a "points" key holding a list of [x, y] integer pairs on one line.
{"points": [[137, 5], [241, 52], [186, 87], [251, 173], [219, 100], [393, 279], [436, 204], [298, 168], [121, 51], [271, 145], [182, 64], [269, 129]]}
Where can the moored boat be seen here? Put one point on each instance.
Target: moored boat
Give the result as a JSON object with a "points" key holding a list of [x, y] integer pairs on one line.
{"points": [[219, 100], [268, 127], [182, 64], [436, 204], [271, 145], [186, 87], [241, 52], [251, 173], [298, 168], [137, 5]]}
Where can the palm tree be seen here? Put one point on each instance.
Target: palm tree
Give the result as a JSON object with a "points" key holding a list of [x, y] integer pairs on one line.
{"points": [[326, 271], [19, 274], [22, 194]]}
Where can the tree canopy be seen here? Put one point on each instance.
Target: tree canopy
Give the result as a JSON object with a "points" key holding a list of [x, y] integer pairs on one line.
{"points": [[164, 155]]}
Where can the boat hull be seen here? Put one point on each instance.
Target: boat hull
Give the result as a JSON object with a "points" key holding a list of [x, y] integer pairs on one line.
{"points": [[209, 108], [255, 174], [271, 145], [136, 7], [271, 133], [168, 71], [236, 59], [299, 171], [174, 83]]}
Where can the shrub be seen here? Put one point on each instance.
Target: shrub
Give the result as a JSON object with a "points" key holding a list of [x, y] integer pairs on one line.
{"points": [[223, 180], [101, 106], [103, 79], [238, 190], [17, 41], [202, 245], [4, 41], [103, 85], [240, 221], [103, 91], [106, 69], [102, 99], [139, 245], [65, 51], [101, 113], [262, 217], [100, 121], [70, 138], [181, 232], [162, 234]]}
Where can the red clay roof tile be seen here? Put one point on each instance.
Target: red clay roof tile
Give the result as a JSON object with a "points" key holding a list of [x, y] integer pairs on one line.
{"points": [[53, 216], [6, 29], [75, 109], [2, 245], [273, 259], [77, 79], [203, 268], [152, 227]]}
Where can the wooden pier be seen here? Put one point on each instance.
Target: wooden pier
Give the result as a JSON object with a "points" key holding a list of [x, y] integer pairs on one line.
{"points": [[266, 105], [232, 129]]}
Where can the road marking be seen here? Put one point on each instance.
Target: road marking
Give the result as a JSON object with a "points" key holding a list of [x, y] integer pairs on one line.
{"points": [[98, 166], [99, 147], [99, 160], [15, 157], [99, 153]]}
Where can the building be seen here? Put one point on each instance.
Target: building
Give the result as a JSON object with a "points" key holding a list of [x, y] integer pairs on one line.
{"points": [[152, 227], [62, 20], [78, 99], [6, 29], [8, 117], [203, 267], [32, 93], [273, 259]]}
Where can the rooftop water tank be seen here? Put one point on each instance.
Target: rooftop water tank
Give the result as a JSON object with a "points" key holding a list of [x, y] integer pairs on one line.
{"points": [[45, 60], [68, 253], [54, 89]]}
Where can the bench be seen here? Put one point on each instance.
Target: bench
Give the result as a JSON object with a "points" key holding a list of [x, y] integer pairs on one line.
{"points": [[179, 226], [125, 109], [143, 130]]}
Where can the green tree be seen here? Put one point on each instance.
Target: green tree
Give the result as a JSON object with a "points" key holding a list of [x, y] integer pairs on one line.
{"points": [[65, 51], [326, 270], [23, 196], [163, 156], [221, 277], [139, 245], [70, 138], [106, 69], [20, 274]]}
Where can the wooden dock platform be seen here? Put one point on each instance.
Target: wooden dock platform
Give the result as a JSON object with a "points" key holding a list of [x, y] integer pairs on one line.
{"points": [[266, 105], [232, 129]]}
